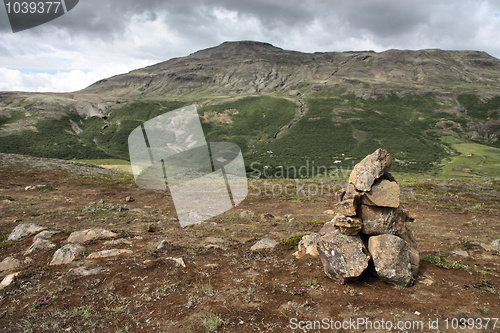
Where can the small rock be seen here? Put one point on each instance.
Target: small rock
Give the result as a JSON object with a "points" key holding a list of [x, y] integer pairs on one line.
{"points": [[384, 193], [152, 228], [347, 225], [8, 280], [263, 244], [344, 257], [25, 230], [40, 243], [108, 253], [120, 241], [391, 259], [83, 271], [67, 254], [82, 236], [369, 169], [179, 261], [307, 245], [9, 264], [329, 212], [267, 217], [247, 214], [129, 199]]}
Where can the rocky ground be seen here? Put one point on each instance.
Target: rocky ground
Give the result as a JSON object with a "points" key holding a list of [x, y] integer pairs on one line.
{"points": [[146, 273]]}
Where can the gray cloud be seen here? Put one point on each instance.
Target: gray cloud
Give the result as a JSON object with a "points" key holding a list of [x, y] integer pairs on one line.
{"points": [[119, 35]]}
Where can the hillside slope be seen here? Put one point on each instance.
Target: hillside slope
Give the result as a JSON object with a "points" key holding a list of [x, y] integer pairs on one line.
{"points": [[284, 108]]}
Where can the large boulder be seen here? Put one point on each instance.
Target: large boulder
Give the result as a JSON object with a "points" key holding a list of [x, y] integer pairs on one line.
{"points": [[383, 193], [344, 257], [391, 259], [369, 169]]}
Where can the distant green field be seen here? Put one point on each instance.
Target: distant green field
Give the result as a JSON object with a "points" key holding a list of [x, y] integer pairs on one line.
{"points": [[111, 164], [484, 162]]}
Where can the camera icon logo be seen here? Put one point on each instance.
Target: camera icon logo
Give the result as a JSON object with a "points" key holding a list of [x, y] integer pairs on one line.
{"points": [[204, 179]]}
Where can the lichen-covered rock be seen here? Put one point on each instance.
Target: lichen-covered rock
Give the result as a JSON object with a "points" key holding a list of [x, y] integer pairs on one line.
{"points": [[9, 264], [344, 257], [264, 244], [82, 236], [383, 193], [391, 259], [307, 245], [67, 254], [347, 207], [25, 230], [347, 225], [40, 244], [369, 169], [109, 253]]}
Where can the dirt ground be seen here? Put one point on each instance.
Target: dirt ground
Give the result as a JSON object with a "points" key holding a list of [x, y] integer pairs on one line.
{"points": [[224, 286]]}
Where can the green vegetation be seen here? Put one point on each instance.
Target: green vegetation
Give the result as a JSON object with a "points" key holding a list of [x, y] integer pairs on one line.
{"points": [[415, 129], [441, 262], [292, 241], [471, 159]]}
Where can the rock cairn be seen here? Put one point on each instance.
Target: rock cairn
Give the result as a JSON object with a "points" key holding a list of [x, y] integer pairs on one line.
{"points": [[370, 229]]}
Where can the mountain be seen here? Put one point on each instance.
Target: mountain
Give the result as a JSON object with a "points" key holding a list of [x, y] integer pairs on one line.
{"points": [[235, 68], [284, 108]]}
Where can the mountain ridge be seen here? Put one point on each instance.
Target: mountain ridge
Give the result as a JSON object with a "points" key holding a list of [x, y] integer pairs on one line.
{"points": [[235, 68]]}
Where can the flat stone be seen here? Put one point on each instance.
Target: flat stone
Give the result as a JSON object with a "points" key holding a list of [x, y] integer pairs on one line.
{"points": [[9, 264], [82, 236], [46, 234], [329, 212], [369, 169], [83, 271], [264, 244], [344, 257], [108, 253], [308, 245], [391, 259], [67, 254], [383, 193], [40, 244], [347, 207], [25, 230], [347, 225]]}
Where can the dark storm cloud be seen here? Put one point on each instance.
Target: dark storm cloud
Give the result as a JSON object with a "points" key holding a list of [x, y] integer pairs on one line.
{"points": [[107, 37]]}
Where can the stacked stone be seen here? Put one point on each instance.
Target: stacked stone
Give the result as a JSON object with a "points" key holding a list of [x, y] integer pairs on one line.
{"points": [[370, 230]]}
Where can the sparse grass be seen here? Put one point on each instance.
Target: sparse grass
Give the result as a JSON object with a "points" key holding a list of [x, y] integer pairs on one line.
{"points": [[212, 322], [105, 207], [440, 261]]}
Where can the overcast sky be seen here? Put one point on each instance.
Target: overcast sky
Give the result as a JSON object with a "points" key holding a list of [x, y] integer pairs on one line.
{"points": [[101, 38]]}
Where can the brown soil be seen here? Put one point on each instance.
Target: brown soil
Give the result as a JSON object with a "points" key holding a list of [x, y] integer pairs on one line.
{"points": [[225, 287]]}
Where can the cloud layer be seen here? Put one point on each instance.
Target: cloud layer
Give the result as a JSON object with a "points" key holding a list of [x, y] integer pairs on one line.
{"points": [[98, 39]]}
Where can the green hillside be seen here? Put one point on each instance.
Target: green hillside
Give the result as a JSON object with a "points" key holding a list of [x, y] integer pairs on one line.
{"points": [[336, 127]]}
